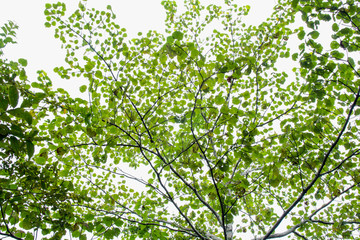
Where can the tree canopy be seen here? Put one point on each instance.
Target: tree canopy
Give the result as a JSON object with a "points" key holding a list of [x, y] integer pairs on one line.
{"points": [[198, 133]]}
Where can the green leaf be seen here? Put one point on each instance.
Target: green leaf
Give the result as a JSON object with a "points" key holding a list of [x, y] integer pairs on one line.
{"points": [[246, 95], [40, 160], [301, 35], [89, 217], [60, 151], [337, 54], [163, 59], [220, 58], [314, 34], [26, 224], [346, 31], [98, 74], [308, 61], [27, 117], [236, 101], [89, 66], [325, 17], [351, 61], [22, 75], [83, 88], [90, 132], [219, 100], [334, 45], [17, 131], [224, 109], [4, 102], [118, 222], [13, 96], [15, 144], [20, 113], [30, 148], [295, 56], [76, 234], [331, 66], [169, 39], [8, 40], [294, 3], [99, 228], [81, 6], [178, 35], [23, 62], [4, 131]]}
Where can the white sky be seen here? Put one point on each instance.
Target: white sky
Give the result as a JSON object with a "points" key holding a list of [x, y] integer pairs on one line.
{"points": [[37, 44]]}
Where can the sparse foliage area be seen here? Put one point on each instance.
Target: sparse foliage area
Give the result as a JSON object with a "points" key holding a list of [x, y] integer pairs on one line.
{"points": [[198, 133]]}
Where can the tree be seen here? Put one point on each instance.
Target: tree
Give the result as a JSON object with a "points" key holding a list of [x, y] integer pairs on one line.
{"points": [[223, 142]]}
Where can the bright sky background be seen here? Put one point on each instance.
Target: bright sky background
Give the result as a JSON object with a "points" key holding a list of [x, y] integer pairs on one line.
{"points": [[37, 44]]}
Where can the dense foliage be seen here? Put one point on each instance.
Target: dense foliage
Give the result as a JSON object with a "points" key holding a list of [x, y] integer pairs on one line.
{"points": [[201, 132], [30, 192]]}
